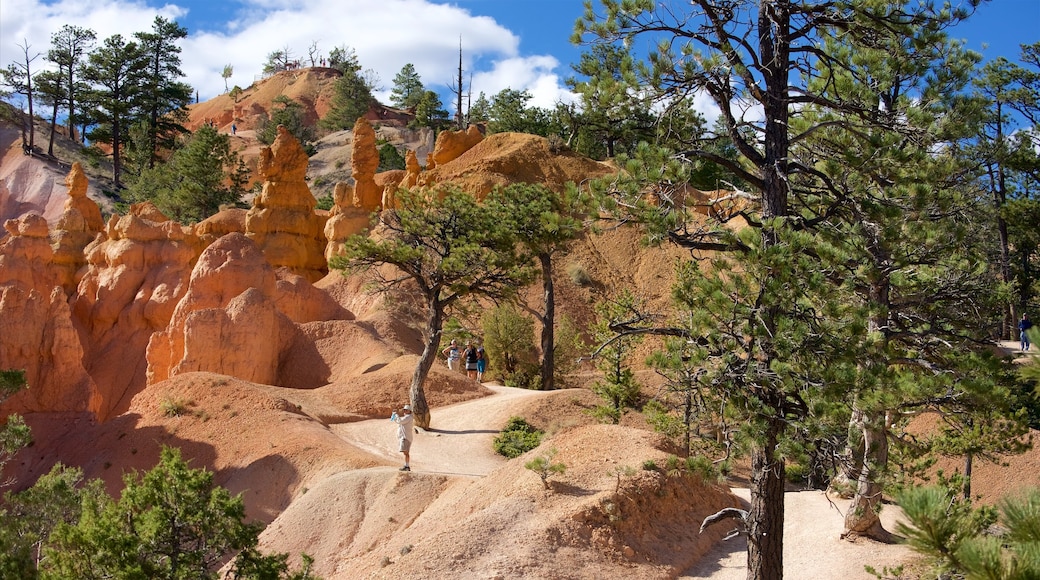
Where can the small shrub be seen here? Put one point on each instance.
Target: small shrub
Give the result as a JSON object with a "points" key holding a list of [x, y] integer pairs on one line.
{"points": [[515, 443], [556, 143], [577, 273], [650, 465], [325, 202], [173, 407], [702, 466], [526, 376], [545, 468], [517, 437]]}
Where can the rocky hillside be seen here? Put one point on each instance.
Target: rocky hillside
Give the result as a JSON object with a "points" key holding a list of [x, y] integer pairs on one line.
{"points": [[232, 340]]}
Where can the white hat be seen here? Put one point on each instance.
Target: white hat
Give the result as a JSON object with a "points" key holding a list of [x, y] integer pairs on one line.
{"points": [[407, 407]]}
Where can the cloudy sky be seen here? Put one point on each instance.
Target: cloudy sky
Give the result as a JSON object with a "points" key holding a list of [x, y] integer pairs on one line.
{"points": [[519, 44]]}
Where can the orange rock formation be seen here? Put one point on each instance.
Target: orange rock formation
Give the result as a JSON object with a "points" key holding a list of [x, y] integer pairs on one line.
{"points": [[36, 324], [282, 220], [78, 225]]}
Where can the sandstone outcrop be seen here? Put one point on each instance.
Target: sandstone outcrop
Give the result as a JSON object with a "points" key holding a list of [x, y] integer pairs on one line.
{"points": [[78, 225], [227, 322], [505, 158], [36, 324], [232, 220], [451, 144], [345, 220], [136, 273], [282, 220], [364, 162]]}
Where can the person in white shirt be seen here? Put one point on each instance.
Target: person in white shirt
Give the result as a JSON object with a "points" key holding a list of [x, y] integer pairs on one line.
{"points": [[405, 433]]}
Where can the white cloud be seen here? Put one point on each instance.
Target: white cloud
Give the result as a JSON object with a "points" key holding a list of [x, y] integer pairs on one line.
{"points": [[386, 35], [533, 74]]}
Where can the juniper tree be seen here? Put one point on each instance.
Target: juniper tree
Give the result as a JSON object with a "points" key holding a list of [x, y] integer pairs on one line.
{"points": [[450, 247]]}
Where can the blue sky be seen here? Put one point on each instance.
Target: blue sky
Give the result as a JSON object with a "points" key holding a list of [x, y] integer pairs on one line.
{"points": [[519, 44]]}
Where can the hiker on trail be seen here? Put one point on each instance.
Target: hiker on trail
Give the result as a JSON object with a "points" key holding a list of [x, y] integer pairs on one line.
{"points": [[481, 362], [471, 360], [1024, 325], [405, 433], [452, 354], [234, 129]]}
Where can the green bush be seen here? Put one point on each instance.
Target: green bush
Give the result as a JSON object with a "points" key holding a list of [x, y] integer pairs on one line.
{"points": [[517, 437]]}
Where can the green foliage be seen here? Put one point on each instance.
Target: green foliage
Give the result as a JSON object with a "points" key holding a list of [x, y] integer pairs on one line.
{"points": [[508, 340], [290, 114], [517, 437], [117, 72], [352, 93], [452, 248], [325, 202], [568, 348], [14, 433], [30, 516], [957, 537], [390, 158], [430, 112], [165, 99], [509, 111], [171, 522], [545, 468], [202, 175], [408, 88], [618, 388]]}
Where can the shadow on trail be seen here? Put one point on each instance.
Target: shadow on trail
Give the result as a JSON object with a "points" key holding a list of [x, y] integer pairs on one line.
{"points": [[467, 432]]}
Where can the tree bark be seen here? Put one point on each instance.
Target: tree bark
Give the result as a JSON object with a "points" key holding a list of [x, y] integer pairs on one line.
{"points": [[765, 549], [862, 517], [416, 394], [548, 321]]}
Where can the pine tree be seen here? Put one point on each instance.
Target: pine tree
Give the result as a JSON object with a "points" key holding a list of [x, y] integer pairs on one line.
{"points": [[201, 176], [550, 221], [352, 94], [767, 335], [165, 98], [71, 45], [618, 387], [117, 71], [450, 247], [408, 88]]}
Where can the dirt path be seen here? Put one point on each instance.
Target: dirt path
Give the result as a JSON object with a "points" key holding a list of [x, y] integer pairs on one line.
{"points": [[458, 444]]}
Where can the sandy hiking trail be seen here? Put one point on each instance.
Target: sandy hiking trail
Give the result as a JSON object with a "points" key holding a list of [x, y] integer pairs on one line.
{"points": [[460, 444]]}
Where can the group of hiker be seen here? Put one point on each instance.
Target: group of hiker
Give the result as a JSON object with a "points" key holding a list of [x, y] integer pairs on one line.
{"points": [[472, 359]]}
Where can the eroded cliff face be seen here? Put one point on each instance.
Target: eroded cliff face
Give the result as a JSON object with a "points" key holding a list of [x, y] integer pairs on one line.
{"points": [[226, 322], [96, 312], [36, 324], [137, 271]]}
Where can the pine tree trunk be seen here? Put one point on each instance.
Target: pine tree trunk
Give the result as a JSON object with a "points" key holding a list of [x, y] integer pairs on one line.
{"points": [[766, 519], [548, 320], [416, 395], [862, 517]]}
